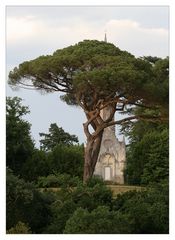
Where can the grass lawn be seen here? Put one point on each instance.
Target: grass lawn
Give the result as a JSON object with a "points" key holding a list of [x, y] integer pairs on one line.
{"points": [[118, 189]]}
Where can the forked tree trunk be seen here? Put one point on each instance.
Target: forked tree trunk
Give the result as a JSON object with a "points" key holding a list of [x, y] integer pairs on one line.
{"points": [[92, 149], [91, 155]]}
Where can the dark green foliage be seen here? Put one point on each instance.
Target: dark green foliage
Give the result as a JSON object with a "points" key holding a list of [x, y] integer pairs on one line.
{"points": [[61, 212], [159, 87], [101, 221], [147, 152], [87, 209], [94, 181], [91, 197], [56, 136], [156, 168], [147, 159], [57, 181], [18, 140], [37, 212], [69, 199], [24, 203], [37, 165], [18, 194], [148, 209], [67, 159]]}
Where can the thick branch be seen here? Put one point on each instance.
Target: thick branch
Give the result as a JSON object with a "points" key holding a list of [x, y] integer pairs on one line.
{"points": [[94, 115], [129, 119], [141, 117]]}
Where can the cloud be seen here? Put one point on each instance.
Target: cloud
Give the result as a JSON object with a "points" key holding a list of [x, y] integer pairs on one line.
{"points": [[33, 29], [20, 28], [139, 40], [30, 36]]}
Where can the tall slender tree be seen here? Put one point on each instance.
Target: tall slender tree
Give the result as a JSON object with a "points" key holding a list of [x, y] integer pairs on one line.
{"points": [[56, 136], [19, 144], [96, 75]]}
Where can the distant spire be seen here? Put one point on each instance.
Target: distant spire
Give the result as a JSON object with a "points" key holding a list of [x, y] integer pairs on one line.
{"points": [[105, 39]]}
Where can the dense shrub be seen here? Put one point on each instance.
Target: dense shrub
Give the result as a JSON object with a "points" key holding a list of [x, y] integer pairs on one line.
{"points": [[58, 180], [68, 200], [148, 209], [62, 209], [18, 194], [137, 212], [92, 197], [26, 204], [94, 180], [67, 159], [101, 220], [37, 165], [86, 208]]}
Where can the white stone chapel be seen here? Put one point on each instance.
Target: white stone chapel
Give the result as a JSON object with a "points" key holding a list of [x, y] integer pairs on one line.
{"points": [[112, 156]]}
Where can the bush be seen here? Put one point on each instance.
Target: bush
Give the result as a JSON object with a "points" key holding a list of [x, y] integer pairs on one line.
{"points": [[62, 210], [92, 210], [101, 221], [91, 197], [38, 213], [67, 160], [68, 200], [58, 180], [37, 165], [94, 181], [18, 194], [148, 209], [19, 228], [26, 204]]}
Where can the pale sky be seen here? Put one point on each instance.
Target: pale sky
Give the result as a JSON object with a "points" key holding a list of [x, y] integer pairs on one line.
{"points": [[35, 31]]}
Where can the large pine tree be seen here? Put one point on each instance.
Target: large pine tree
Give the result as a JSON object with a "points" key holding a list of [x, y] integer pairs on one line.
{"points": [[95, 75]]}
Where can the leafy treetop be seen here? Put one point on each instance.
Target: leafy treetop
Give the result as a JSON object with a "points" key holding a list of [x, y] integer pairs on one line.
{"points": [[56, 136], [88, 72]]}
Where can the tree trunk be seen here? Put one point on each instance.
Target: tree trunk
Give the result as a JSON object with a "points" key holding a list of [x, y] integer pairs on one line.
{"points": [[91, 155], [92, 149]]}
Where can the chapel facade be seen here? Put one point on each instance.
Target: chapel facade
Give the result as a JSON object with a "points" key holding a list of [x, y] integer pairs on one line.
{"points": [[112, 156]]}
